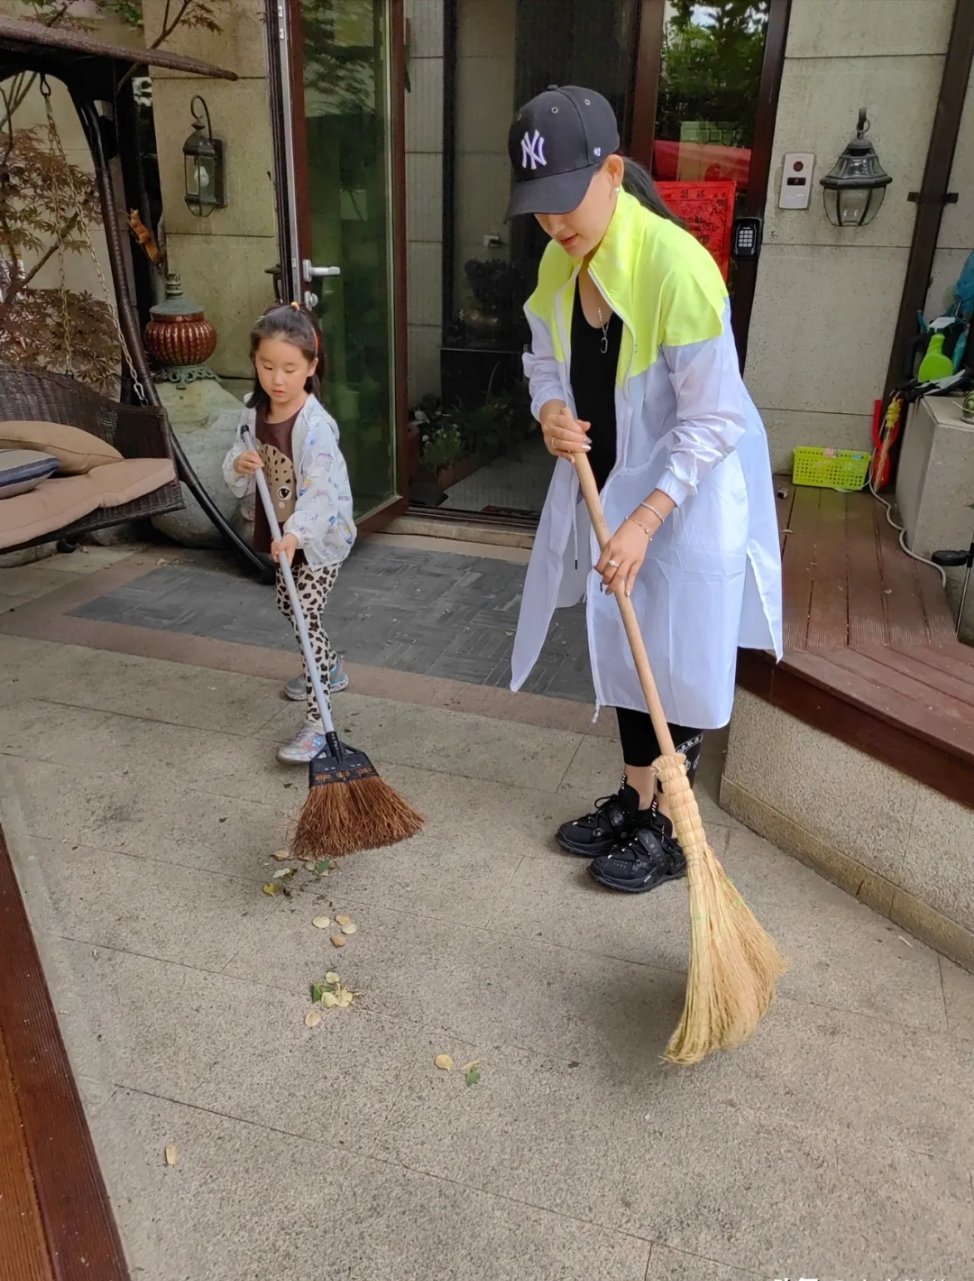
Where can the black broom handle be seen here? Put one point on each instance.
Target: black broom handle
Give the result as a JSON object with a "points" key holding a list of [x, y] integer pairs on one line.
{"points": [[285, 567]]}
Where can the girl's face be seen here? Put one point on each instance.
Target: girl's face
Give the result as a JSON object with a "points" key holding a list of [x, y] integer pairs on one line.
{"points": [[580, 232], [282, 370]]}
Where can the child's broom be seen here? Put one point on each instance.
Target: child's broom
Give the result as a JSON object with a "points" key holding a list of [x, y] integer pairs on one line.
{"points": [[734, 964], [348, 807]]}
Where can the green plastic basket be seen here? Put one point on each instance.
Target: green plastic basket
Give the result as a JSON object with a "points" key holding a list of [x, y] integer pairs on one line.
{"points": [[830, 468]]}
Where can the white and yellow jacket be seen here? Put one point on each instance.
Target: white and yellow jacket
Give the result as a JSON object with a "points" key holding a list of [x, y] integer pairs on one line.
{"points": [[685, 424]]}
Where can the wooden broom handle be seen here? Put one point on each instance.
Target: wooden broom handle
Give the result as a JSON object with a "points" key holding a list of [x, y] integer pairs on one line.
{"points": [[590, 492]]}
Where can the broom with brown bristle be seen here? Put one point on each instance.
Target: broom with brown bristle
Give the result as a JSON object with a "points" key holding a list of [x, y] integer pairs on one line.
{"points": [[734, 963], [348, 806]]}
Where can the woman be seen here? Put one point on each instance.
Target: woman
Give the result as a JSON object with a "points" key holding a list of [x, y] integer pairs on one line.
{"points": [[633, 362]]}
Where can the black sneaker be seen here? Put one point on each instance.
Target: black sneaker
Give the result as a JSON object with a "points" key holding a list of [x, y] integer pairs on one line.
{"points": [[651, 856], [612, 822]]}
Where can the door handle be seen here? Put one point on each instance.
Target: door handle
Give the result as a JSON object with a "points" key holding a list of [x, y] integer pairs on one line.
{"points": [[311, 272]]}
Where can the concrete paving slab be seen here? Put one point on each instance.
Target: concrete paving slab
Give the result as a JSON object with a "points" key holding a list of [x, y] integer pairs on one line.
{"points": [[29, 582], [958, 998], [129, 685], [435, 738], [132, 814], [163, 1025], [675, 1265], [838, 1144], [482, 987], [552, 898], [457, 868], [842, 953], [335, 1083], [254, 1203], [195, 918], [662, 1153]]}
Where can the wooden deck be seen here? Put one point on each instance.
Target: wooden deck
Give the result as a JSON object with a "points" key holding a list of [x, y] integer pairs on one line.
{"points": [[870, 652], [56, 1221]]}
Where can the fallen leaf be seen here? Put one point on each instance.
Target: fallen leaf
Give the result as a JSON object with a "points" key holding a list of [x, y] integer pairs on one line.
{"points": [[350, 928], [338, 940], [284, 873], [281, 854], [906, 941], [329, 1000], [332, 977], [345, 998], [343, 920], [316, 991], [312, 1018], [473, 1076], [321, 922], [271, 888], [443, 1062], [472, 1064], [322, 866], [172, 1154]]}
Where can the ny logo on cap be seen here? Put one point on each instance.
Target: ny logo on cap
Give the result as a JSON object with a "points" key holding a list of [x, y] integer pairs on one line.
{"points": [[532, 151]]}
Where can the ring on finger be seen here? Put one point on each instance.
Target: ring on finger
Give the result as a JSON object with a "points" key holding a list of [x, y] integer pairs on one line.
{"points": [[613, 563]]}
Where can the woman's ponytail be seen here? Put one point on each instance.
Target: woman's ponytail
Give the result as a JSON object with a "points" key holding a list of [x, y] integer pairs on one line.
{"points": [[638, 181]]}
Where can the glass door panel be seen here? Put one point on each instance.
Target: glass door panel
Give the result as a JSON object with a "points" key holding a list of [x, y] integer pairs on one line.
{"points": [[343, 177]]}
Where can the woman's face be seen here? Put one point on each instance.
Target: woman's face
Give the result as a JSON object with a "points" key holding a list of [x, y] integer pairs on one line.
{"points": [[580, 232]]}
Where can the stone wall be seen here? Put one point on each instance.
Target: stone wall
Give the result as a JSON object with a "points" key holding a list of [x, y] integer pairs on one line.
{"points": [[901, 847], [424, 193], [827, 297], [222, 259]]}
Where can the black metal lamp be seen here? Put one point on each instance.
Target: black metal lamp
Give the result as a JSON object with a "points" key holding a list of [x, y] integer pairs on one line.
{"points": [[856, 184], [203, 161]]}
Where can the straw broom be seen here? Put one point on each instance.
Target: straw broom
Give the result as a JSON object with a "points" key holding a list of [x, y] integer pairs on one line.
{"points": [[348, 807], [734, 963]]}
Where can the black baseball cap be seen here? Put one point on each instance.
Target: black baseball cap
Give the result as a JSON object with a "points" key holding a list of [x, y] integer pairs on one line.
{"points": [[556, 143]]}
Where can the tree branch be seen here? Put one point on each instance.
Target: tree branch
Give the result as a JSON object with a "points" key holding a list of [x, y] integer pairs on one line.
{"points": [[167, 29], [23, 281]]}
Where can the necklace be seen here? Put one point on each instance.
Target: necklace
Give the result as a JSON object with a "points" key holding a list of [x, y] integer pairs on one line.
{"points": [[604, 344]]}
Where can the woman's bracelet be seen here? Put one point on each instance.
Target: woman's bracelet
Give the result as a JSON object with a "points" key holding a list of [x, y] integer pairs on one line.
{"points": [[650, 508], [640, 525]]}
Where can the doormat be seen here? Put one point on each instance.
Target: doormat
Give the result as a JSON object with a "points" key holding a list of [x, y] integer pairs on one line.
{"points": [[514, 513]]}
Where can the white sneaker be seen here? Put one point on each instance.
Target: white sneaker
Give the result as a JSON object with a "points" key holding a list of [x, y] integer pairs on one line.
{"points": [[304, 747], [295, 688]]}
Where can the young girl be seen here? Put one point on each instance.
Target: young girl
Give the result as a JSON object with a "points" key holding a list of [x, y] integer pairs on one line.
{"points": [[297, 447], [633, 362]]}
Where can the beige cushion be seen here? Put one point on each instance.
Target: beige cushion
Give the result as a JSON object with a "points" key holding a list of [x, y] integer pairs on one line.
{"points": [[64, 499], [77, 451]]}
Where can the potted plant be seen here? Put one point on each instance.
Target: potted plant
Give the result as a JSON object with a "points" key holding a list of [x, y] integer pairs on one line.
{"points": [[499, 289]]}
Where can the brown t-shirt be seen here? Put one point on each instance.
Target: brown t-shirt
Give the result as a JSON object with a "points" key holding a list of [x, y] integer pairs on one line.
{"points": [[274, 447]]}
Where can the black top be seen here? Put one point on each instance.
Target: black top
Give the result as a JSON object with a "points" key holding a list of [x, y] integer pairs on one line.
{"points": [[593, 378]]}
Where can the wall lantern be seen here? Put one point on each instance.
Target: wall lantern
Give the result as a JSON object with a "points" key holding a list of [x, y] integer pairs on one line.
{"points": [[203, 160], [856, 185]]}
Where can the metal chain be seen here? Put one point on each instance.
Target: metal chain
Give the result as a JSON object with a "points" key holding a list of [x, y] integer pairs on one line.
{"points": [[107, 293], [59, 220]]}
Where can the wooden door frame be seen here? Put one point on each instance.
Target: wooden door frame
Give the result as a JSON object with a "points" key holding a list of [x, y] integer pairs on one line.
{"points": [[641, 131], [933, 194], [286, 83]]}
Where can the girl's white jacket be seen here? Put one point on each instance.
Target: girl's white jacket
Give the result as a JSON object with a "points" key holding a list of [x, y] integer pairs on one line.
{"points": [[711, 581], [322, 521]]}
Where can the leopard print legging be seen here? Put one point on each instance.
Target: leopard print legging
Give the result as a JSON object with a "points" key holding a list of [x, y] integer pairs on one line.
{"points": [[314, 587]]}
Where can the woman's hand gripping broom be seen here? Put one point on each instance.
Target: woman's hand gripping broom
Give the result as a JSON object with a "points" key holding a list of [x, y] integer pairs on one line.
{"points": [[348, 807], [734, 963]]}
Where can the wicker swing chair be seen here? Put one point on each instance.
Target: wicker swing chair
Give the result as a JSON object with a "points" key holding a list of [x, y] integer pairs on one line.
{"points": [[136, 425]]}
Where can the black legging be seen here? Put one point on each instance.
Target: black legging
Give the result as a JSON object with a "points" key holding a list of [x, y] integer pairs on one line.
{"points": [[640, 745]]}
